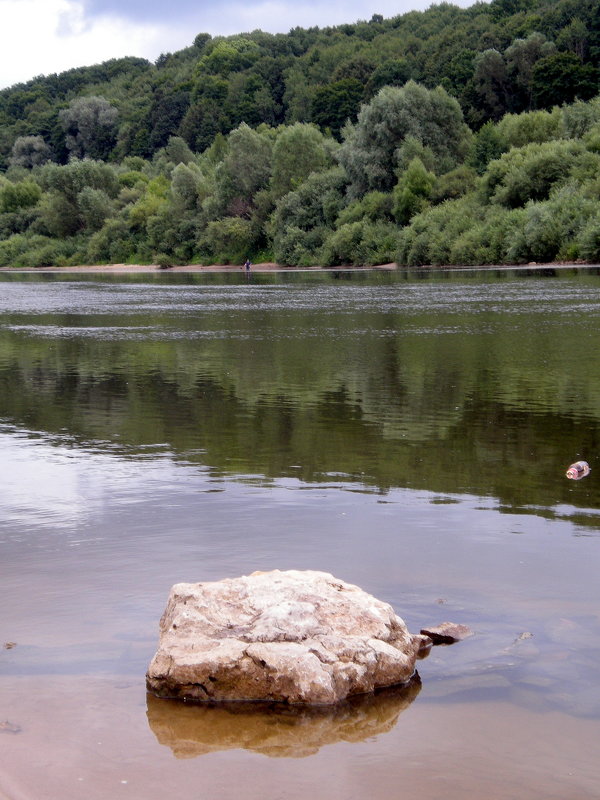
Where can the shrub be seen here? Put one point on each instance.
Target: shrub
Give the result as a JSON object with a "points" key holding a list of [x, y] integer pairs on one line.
{"points": [[361, 243], [228, 240], [373, 206], [589, 239], [530, 172]]}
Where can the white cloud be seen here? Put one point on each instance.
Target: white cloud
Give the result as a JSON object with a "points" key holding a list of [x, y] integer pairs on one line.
{"points": [[44, 36]]}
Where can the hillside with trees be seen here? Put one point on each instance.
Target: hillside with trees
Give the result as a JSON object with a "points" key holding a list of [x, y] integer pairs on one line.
{"points": [[450, 136]]}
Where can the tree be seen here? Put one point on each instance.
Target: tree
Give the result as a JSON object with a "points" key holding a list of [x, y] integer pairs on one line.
{"points": [[521, 58], [392, 72], [531, 172], [94, 207], [298, 150], [29, 151], [337, 102], [561, 78], [186, 185], [168, 110], [67, 208], [228, 240], [369, 152], [232, 54], [90, 125], [202, 122], [412, 191], [16, 196], [488, 145], [303, 219], [245, 169], [491, 82]]}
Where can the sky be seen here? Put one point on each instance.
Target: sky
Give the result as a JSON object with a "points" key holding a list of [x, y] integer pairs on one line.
{"points": [[39, 37]]}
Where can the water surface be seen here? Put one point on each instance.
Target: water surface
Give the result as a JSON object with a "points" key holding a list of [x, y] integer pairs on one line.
{"points": [[408, 432]]}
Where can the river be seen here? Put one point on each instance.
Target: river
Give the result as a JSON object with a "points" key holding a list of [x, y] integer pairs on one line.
{"points": [[407, 431]]}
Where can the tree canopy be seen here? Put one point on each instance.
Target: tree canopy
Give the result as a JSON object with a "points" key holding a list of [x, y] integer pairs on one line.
{"points": [[444, 136]]}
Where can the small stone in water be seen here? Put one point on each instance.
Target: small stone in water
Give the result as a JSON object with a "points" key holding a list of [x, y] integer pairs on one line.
{"points": [[447, 633], [9, 727]]}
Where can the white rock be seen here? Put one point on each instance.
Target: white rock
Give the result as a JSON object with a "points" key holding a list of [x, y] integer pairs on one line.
{"points": [[293, 637]]}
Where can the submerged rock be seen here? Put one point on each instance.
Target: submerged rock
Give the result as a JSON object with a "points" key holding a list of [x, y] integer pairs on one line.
{"points": [[294, 637], [447, 632]]}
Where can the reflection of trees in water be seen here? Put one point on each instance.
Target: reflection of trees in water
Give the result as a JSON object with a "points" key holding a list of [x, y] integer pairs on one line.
{"points": [[277, 731], [380, 398]]}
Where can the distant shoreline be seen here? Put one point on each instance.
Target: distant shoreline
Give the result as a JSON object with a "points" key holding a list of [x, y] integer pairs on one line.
{"points": [[123, 269], [142, 268]]}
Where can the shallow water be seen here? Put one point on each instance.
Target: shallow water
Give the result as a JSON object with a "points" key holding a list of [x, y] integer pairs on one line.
{"points": [[408, 432]]}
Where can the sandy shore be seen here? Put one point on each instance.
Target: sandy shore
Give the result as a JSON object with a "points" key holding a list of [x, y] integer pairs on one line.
{"points": [[132, 268], [272, 267]]}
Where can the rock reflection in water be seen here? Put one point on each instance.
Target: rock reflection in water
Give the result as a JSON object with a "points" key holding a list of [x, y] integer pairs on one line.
{"points": [[276, 731]]}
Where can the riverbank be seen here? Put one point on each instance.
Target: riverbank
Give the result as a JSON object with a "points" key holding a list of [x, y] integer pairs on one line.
{"points": [[273, 267], [132, 268]]}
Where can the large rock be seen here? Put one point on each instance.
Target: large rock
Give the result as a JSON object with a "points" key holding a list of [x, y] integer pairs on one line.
{"points": [[293, 637]]}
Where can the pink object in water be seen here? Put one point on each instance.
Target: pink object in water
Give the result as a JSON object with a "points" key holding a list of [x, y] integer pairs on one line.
{"points": [[578, 470]]}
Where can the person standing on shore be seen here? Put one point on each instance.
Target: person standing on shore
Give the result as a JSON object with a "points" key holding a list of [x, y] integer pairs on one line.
{"points": [[247, 265]]}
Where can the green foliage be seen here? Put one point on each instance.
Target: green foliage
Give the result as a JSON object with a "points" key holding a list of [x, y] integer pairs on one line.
{"points": [[412, 148], [302, 219], [201, 163], [579, 118], [454, 184], [373, 206], [361, 243], [530, 172], [33, 251], [517, 130], [460, 232], [491, 82], [114, 243], [29, 151], [187, 183], [487, 145], [245, 169], [90, 127], [70, 179], [228, 240], [393, 72], [299, 150], [589, 239], [16, 196], [333, 105], [369, 153], [562, 77], [413, 190], [552, 228], [94, 207], [228, 55]]}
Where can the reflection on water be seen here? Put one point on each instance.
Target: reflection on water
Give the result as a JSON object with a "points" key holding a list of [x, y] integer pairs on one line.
{"points": [[407, 432], [480, 384], [195, 730]]}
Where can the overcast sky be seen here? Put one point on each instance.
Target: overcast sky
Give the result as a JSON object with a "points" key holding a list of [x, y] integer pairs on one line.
{"points": [[38, 37]]}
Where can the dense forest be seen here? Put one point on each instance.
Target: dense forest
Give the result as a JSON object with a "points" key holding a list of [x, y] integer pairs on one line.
{"points": [[449, 136]]}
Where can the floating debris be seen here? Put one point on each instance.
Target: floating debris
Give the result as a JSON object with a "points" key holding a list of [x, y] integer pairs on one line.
{"points": [[9, 645], [578, 470]]}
